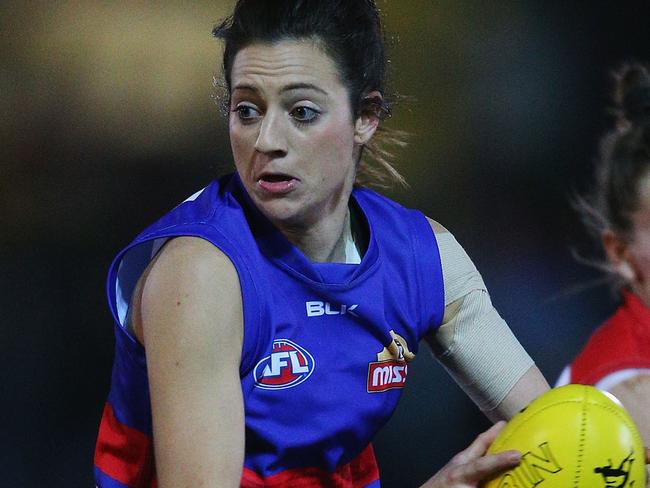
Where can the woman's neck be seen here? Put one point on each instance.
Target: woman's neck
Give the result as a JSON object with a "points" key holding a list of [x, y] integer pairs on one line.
{"points": [[324, 241]]}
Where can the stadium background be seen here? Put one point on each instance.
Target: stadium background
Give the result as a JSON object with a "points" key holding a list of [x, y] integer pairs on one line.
{"points": [[108, 120]]}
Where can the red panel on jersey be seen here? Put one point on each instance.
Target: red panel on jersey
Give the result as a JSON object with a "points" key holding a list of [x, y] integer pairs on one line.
{"points": [[123, 453], [358, 473]]}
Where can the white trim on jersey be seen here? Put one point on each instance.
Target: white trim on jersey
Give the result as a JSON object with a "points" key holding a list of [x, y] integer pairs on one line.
{"points": [[352, 255], [121, 302], [194, 196], [157, 244], [613, 379], [565, 377], [122, 294]]}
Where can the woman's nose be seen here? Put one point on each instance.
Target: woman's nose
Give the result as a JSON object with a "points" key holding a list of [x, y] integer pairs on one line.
{"points": [[271, 139]]}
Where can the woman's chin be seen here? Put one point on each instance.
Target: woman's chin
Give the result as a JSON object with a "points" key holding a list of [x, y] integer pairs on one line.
{"points": [[282, 212]]}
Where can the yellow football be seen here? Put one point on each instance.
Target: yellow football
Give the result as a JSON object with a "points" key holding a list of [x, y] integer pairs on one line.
{"points": [[574, 436]]}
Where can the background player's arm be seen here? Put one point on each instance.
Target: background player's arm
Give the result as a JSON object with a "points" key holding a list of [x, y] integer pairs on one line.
{"points": [[187, 312], [634, 394], [475, 344]]}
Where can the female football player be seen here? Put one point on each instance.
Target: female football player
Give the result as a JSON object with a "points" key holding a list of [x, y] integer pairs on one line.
{"points": [[617, 356], [265, 325]]}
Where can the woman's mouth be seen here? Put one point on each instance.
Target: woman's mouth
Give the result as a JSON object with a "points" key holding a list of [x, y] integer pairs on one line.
{"points": [[277, 183]]}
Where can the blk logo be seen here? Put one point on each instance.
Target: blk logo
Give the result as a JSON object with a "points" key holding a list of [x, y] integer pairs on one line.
{"points": [[286, 367], [316, 309]]}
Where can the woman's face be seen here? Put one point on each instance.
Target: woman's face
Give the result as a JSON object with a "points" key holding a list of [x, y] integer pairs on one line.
{"points": [[292, 131], [639, 246]]}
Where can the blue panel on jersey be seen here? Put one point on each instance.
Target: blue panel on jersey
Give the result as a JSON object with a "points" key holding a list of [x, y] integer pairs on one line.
{"points": [[104, 481], [129, 395]]}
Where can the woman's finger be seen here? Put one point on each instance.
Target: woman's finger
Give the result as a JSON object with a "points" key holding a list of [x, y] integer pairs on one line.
{"points": [[480, 445], [484, 467]]}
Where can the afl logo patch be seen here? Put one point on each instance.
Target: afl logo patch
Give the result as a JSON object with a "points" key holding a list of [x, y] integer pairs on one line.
{"points": [[286, 367]]}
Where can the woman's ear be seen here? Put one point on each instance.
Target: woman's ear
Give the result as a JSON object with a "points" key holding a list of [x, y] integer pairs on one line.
{"points": [[619, 256], [366, 124]]}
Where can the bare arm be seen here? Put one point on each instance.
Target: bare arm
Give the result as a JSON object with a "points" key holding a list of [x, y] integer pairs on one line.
{"points": [[634, 394], [187, 312]]}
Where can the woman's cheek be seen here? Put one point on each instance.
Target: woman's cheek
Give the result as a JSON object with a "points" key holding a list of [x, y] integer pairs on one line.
{"points": [[336, 139], [240, 145], [641, 253]]}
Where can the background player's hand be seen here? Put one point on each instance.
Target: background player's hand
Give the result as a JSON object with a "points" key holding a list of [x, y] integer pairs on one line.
{"points": [[467, 468]]}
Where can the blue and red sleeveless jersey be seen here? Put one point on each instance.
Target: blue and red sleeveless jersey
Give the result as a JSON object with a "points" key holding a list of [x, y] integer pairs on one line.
{"points": [[326, 345]]}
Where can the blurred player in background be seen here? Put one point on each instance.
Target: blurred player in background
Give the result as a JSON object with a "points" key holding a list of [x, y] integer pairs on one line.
{"points": [[617, 211], [265, 325]]}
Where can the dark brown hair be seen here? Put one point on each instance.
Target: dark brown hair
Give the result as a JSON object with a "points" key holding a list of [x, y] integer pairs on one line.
{"points": [[624, 158], [349, 31]]}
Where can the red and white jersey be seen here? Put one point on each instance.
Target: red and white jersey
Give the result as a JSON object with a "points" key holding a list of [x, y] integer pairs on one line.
{"points": [[618, 350]]}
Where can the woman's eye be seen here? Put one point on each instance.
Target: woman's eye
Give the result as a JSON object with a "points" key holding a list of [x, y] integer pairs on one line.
{"points": [[304, 114], [246, 112]]}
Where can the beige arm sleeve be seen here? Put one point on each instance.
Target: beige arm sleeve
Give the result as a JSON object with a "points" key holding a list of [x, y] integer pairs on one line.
{"points": [[474, 343]]}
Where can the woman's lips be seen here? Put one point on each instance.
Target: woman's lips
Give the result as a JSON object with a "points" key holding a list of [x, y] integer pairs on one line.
{"points": [[277, 185]]}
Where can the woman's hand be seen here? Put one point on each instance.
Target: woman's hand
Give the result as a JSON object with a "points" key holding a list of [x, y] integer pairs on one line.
{"points": [[469, 467]]}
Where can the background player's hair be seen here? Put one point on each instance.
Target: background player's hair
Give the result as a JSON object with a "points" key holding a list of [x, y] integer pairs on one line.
{"points": [[624, 157], [349, 31]]}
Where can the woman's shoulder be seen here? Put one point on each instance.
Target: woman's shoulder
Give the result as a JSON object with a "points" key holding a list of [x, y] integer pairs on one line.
{"points": [[194, 254], [191, 262], [188, 272], [450, 249]]}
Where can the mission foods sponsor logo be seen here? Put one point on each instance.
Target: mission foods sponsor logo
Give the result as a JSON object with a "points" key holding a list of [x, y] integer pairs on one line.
{"points": [[390, 369], [286, 367], [385, 375]]}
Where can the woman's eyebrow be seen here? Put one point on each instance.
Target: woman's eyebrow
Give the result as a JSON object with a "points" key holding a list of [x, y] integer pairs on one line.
{"points": [[245, 87], [286, 88], [303, 86]]}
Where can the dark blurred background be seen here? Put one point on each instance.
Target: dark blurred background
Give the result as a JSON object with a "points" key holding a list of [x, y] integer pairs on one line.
{"points": [[109, 119]]}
